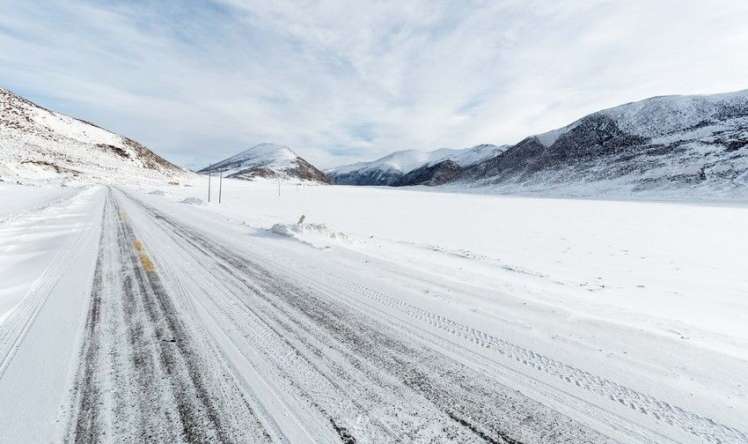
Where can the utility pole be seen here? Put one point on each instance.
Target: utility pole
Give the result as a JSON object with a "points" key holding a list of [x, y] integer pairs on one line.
{"points": [[209, 187], [220, 186]]}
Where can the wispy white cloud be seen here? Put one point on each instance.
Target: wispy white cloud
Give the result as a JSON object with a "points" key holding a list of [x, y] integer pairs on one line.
{"points": [[341, 81]]}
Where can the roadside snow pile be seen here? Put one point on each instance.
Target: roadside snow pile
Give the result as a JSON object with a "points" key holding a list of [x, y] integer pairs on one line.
{"points": [[192, 201], [317, 235]]}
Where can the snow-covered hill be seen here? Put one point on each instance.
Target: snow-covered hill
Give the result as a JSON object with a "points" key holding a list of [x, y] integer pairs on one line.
{"points": [[669, 146], [663, 146], [267, 160], [39, 144], [391, 169]]}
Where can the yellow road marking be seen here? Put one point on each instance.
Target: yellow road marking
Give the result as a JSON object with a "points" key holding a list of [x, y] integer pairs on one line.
{"points": [[144, 259], [147, 264]]}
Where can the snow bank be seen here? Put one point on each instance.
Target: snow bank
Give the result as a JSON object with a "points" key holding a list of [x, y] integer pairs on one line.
{"points": [[15, 198], [317, 235], [192, 201]]}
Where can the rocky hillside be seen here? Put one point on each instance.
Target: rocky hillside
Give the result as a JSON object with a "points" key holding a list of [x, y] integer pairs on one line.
{"points": [[36, 143], [267, 160], [670, 146], [662, 146], [431, 175], [395, 169]]}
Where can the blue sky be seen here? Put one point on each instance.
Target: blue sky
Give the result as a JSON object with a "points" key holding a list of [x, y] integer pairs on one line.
{"points": [[341, 81]]}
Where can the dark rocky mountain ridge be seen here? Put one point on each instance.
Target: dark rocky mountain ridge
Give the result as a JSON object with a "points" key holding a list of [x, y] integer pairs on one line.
{"points": [[663, 145], [431, 175], [412, 167]]}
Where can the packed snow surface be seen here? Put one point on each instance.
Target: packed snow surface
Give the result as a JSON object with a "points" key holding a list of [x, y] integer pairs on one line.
{"points": [[339, 313], [650, 294]]}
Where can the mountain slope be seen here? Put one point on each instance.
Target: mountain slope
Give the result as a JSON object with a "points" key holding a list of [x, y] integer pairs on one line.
{"points": [[390, 169], [36, 143], [267, 160], [431, 174], [663, 145]]}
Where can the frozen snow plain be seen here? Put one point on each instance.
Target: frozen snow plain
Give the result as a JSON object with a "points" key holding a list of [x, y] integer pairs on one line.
{"points": [[387, 315]]}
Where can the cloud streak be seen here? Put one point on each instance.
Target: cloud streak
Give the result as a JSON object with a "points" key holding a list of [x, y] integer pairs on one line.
{"points": [[342, 81]]}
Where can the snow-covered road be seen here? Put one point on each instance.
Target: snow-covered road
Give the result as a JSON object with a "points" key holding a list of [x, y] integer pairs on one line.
{"points": [[164, 322]]}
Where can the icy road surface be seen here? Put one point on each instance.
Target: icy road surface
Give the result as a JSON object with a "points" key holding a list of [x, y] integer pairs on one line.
{"points": [[150, 321]]}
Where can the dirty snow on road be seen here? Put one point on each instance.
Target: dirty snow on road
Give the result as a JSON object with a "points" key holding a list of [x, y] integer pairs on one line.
{"points": [[380, 316]]}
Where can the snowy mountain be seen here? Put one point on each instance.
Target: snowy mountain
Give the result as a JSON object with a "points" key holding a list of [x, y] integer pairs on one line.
{"points": [[661, 146], [431, 174], [391, 169], [36, 143], [267, 160]]}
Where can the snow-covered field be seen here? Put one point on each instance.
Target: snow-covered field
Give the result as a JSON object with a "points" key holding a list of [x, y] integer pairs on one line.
{"points": [[648, 293], [528, 319], [632, 261]]}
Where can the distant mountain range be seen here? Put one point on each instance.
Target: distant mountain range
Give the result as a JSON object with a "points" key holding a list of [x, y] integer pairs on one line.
{"points": [[36, 143], [685, 145], [393, 169], [659, 145], [267, 160]]}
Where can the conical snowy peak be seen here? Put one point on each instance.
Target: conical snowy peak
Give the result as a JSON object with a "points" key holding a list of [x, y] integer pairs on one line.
{"points": [[36, 143], [267, 160]]}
